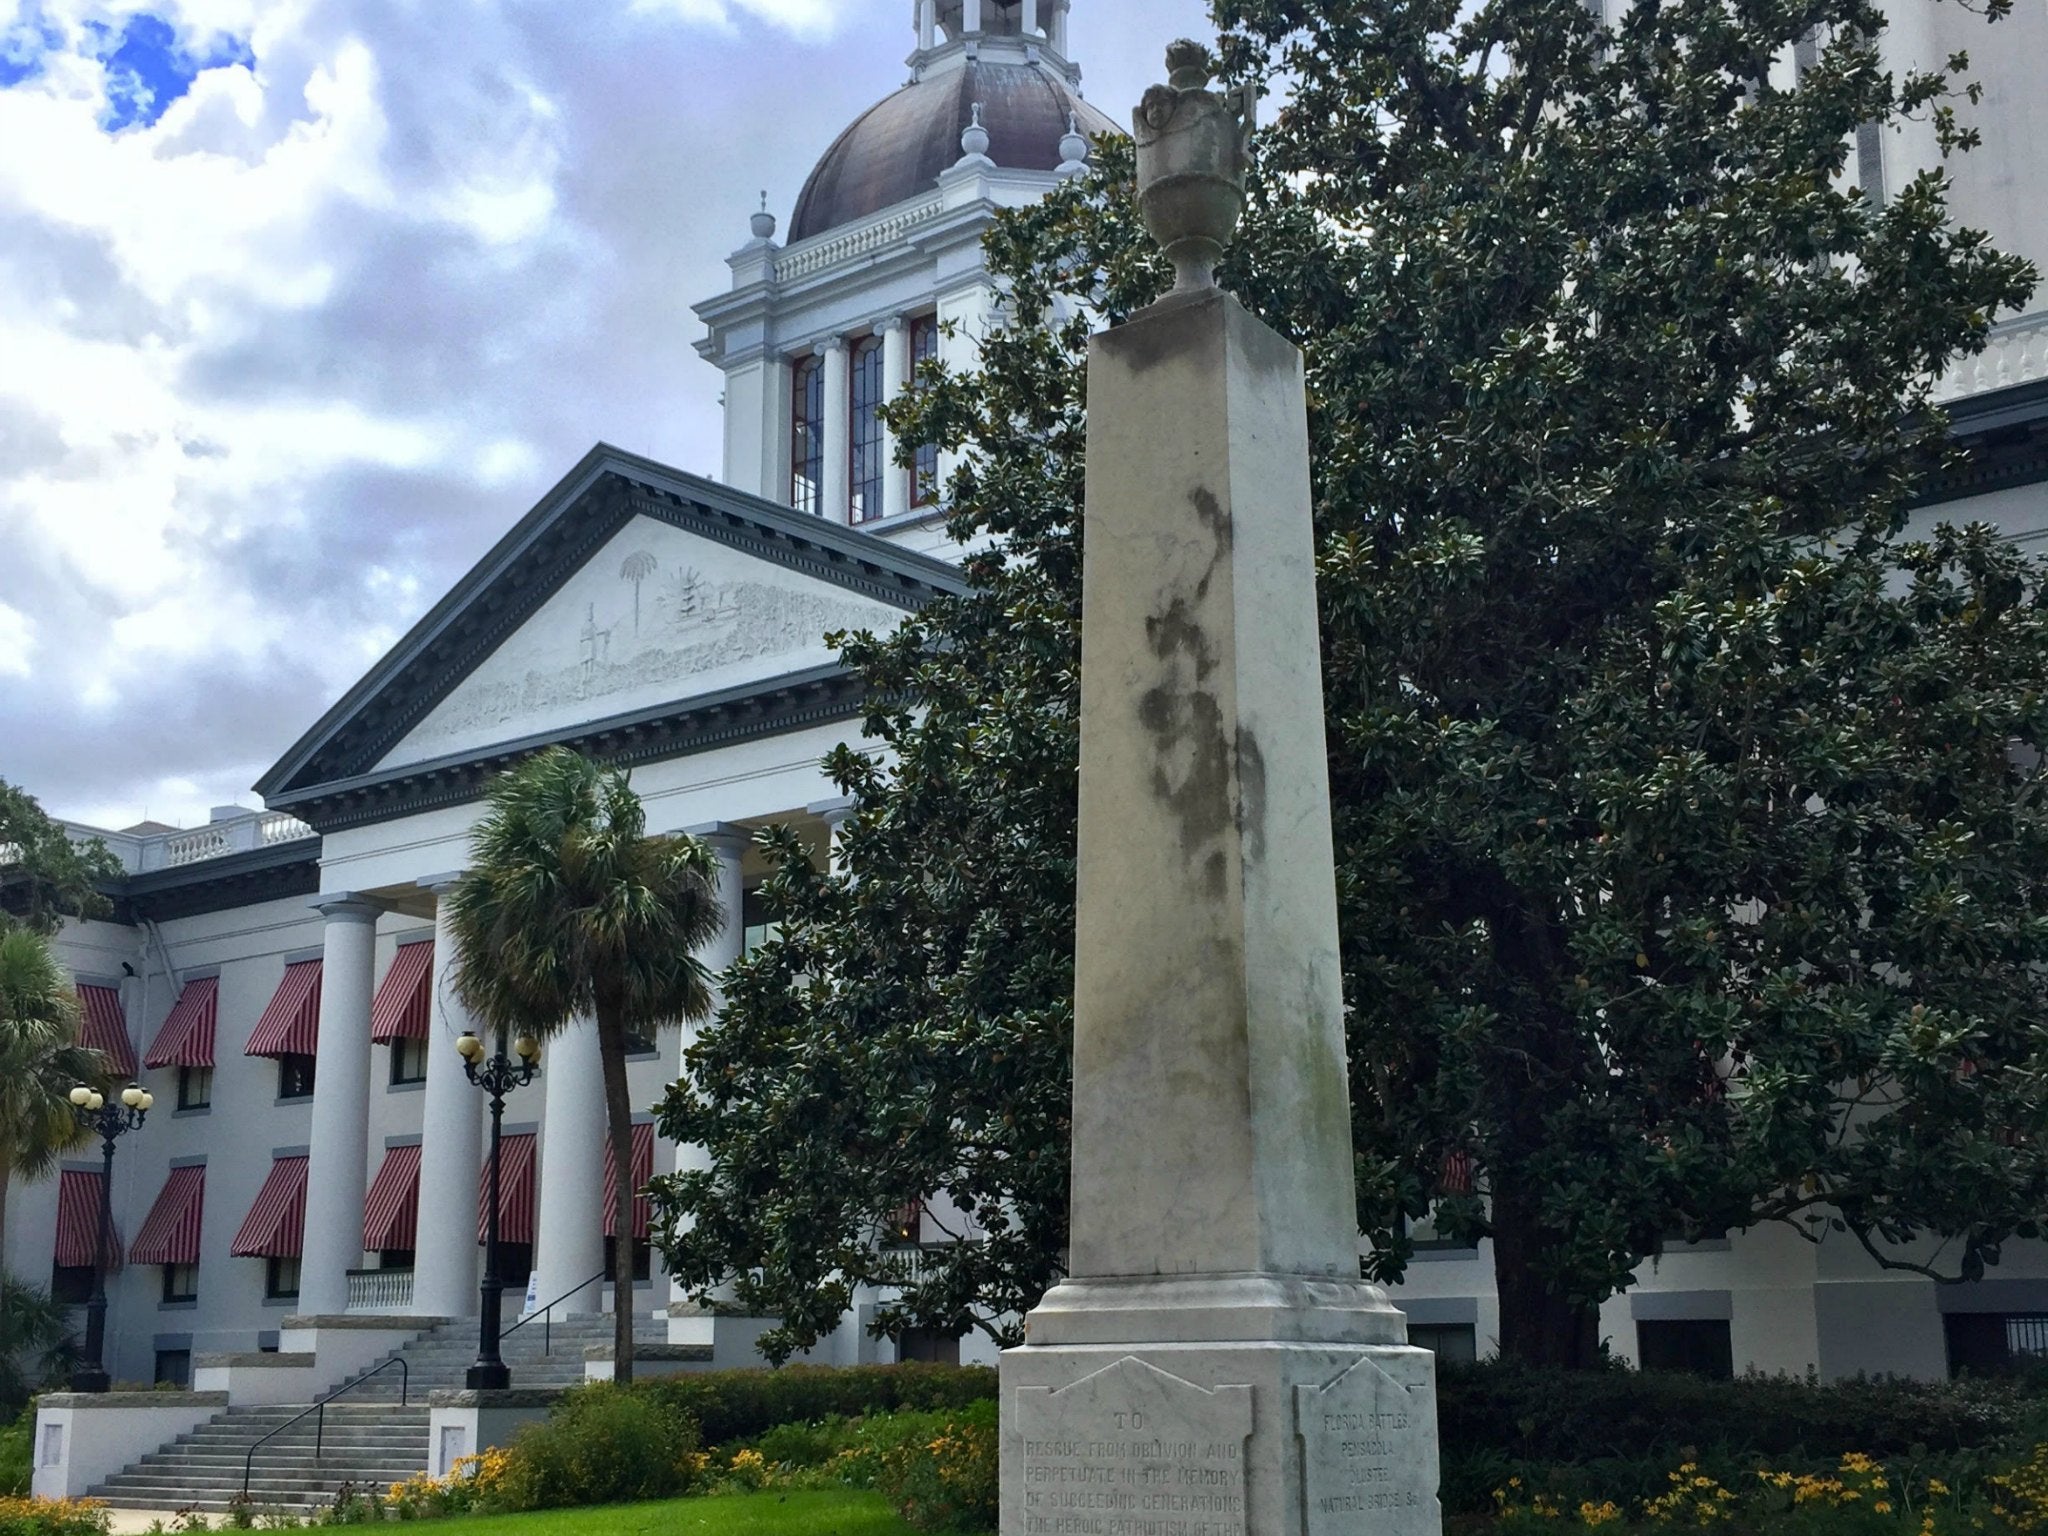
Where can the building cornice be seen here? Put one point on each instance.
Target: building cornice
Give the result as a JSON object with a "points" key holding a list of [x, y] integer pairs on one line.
{"points": [[2004, 433], [215, 885], [793, 702]]}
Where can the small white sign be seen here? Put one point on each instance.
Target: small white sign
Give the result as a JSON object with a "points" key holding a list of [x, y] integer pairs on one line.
{"points": [[532, 1289]]}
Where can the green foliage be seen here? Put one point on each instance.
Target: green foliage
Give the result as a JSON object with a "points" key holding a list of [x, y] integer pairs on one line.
{"points": [[41, 1061], [732, 1406], [1613, 1434], [1687, 802], [17, 1454], [44, 876], [52, 1517], [570, 909], [603, 1444], [949, 1481]]}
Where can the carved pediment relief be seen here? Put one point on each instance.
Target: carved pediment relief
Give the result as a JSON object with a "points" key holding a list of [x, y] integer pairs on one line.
{"points": [[657, 616]]}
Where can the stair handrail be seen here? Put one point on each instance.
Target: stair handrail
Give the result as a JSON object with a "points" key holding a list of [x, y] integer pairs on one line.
{"points": [[320, 1407], [546, 1313]]}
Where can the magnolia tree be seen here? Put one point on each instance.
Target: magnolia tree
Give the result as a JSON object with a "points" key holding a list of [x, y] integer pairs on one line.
{"points": [[1687, 809]]}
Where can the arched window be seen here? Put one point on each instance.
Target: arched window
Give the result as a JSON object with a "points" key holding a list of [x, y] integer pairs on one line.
{"points": [[924, 472], [870, 457], [807, 435]]}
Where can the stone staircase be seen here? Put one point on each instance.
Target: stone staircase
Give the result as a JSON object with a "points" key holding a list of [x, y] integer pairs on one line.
{"points": [[370, 1441]]}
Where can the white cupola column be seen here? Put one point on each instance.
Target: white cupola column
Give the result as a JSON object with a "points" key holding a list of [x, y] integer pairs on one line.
{"points": [[1030, 23], [568, 1237], [895, 375], [690, 1325], [836, 501], [338, 1154], [927, 25], [1059, 28], [970, 16], [444, 1282]]}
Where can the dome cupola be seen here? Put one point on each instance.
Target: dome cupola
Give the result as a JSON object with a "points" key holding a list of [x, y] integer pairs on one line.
{"points": [[997, 65]]}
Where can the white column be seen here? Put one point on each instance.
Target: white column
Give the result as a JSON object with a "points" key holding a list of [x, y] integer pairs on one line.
{"points": [[927, 24], [895, 374], [833, 813], [1059, 28], [569, 1237], [444, 1282], [836, 502], [970, 16], [1031, 18], [1912, 41], [730, 843], [339, 1149]]}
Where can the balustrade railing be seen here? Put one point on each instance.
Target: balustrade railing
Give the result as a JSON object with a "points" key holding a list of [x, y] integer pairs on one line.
{"points": [[827, 251], [2017, 353], [379, 1290]]}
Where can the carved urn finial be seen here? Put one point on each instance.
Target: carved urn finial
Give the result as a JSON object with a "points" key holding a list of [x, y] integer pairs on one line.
{"points": [[1191, 165]]}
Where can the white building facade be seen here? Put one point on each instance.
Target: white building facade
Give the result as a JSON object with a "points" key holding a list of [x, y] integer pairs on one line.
{"points": [[276, 978]]}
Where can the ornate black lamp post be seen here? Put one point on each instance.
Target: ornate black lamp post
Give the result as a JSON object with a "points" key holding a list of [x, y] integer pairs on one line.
{"points": [[111, 1121], [497, 1077]]}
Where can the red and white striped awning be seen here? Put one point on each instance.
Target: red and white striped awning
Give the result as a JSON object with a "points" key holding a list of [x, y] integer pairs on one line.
{"points": [[170, 1232], [103, 1026], [400, 1009], [391, 1210], [78, 1221], [290, 1026], [275, 1227], [643, 1170], [186, 1040], [516, 1189]]}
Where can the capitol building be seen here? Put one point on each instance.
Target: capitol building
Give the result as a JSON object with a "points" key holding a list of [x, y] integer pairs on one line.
{"points": [[314, 1161]]}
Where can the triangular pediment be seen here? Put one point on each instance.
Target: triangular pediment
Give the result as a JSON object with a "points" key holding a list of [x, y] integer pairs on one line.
{"points": [[635, 612], [657, 615]]}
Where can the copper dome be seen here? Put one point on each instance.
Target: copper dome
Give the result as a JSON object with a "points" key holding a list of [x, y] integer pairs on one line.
{"points": [[896, 148]]}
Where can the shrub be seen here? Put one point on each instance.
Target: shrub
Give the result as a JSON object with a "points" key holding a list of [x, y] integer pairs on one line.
{"points": [[729, 1406], [17, 1448], [52, 1517], [602, 1445], [947, 1482], [1572, 1418], [475, 1484]]}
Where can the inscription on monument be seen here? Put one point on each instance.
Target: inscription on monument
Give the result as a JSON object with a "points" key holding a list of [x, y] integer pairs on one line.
{"points": [[1134, 1451], [1368, 1443]]}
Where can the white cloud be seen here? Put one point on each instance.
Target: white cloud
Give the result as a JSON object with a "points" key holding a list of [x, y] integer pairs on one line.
{"points": [[17, 641]]}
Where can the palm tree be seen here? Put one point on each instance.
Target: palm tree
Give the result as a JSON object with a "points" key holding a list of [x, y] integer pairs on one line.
{"points": [[36, 1344], [40, 1060], [637, 568], [571, 910]]}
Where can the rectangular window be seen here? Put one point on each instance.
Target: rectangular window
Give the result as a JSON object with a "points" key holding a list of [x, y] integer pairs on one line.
{"points": [[1699, 1345], [174, 1367], [924, 470], [280, 1278], [870, 452], [295, 1077], [515, 1263], [195, 1087], [408, 1061], [807, 435], [395, 1258], [755, 927], [1457, 1342], [643, 1259], [1986, 1343], [929, 1345], [71, 1284], [181, 1282], [905, 1226]]}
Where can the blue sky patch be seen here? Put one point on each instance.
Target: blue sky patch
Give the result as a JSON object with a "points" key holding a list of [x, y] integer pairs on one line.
{"points": [[24, 44], [148, 68]]}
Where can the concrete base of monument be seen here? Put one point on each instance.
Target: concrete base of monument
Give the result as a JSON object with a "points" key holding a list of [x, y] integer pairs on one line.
{"points": [[1250, 1307], [1207, 1439]]}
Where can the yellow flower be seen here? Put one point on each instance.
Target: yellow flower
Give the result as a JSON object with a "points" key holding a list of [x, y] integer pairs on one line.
{"points": [[1881, 1507], [1936, 1486]]}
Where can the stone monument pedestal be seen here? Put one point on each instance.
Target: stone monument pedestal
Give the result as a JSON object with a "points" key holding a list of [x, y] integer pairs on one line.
{"points": [[1214, 1366]]}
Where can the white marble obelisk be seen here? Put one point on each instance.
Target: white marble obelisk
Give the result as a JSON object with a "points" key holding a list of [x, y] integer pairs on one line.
{"points": [[1213, 1364]]}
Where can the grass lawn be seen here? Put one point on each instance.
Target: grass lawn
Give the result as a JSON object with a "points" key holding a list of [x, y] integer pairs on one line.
{"points": [[850, 1512]]}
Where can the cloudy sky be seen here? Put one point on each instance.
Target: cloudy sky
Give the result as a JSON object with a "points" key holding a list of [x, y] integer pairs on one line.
{"points": [[303, 302]]}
